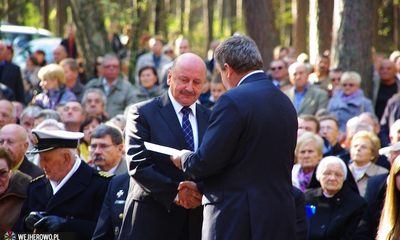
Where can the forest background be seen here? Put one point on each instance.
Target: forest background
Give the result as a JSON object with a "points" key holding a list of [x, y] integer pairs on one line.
{"points": [[349, 30]]}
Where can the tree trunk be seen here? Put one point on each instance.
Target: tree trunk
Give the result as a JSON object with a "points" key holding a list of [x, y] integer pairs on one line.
{"points": [[15, 12], [375, 23], [160, 21], [186, 17], [232, 16], [299, 16], [352, 39], [321, 14], [45, 8], [210, 9], [221, 6], [91, 34], [396, 25], [256, 12], [206, 32], [61, 17]]}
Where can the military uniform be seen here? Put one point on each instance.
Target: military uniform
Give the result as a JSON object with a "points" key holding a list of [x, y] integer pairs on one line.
{"points": [[110, 220], [77, 203], [79, 200]]}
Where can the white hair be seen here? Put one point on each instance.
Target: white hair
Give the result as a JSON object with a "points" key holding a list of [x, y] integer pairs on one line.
{"points": [[330, 160]]}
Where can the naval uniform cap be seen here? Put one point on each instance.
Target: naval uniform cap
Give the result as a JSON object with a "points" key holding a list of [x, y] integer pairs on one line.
{"points": [[47, 140]]}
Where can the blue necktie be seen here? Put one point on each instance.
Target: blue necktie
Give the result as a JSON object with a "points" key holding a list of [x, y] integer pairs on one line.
{"points": [[187, 127]]}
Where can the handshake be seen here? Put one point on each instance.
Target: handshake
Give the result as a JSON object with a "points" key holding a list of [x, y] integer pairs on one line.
{"points": [[189, 195], [39, 222]]}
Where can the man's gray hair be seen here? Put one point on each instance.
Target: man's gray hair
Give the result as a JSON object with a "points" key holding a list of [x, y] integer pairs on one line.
{"points": [[240, 52], [103, 130], [94, 90]]}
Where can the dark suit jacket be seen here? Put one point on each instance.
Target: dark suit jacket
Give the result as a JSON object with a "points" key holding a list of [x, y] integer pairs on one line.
{"points": [[79, 201], [110, 220], [11, 77], [29, 168], [245, 162], [376, 188], [155, 178], [336, 217], [301, 214]]}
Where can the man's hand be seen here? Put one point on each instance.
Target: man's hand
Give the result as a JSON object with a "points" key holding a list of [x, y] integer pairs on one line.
{"points": [[33, 218], [50, 224], [176, 159], [189, 195]]}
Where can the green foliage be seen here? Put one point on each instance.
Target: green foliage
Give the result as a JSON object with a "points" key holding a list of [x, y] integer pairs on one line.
{"points": [[33, 16]]}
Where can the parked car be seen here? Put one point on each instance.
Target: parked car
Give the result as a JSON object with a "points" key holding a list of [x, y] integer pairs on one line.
{"points": [[19, 36], [45, 44]]}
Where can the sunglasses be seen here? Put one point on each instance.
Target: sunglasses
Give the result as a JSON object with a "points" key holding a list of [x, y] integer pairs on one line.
{"points": [[168, 51], [348, 84], [273, 69]]}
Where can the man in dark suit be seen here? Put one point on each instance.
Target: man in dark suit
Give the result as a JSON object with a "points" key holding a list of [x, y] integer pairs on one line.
{"points": [[70, 196], [152, 210], [111, 215], [10, 75], [15, 139], [247, 150]]}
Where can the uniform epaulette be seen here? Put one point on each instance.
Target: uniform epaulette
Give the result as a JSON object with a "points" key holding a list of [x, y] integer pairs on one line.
{"points": [[37, 178], [105, 174]]}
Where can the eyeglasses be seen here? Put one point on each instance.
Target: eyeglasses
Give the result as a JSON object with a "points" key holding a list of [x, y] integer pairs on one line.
{"points": [[101, 146], [348, 84], [4, 173], [328, 129], [168, 51], [329, 174], [111, 66], [275, 68], [98, 64]]}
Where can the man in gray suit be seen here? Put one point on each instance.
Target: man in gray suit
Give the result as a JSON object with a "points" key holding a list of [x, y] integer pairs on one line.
{"points": [[152, 209], [105, 148], [306, 98]]}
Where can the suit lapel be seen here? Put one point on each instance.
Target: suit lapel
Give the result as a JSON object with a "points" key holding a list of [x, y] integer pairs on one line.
{"points": [[168, 113], [75, 185], [202, 122], [43, 192]]}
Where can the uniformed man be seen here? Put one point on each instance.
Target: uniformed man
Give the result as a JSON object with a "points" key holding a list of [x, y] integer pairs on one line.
{"points": [[69, 196], [110, 220]]}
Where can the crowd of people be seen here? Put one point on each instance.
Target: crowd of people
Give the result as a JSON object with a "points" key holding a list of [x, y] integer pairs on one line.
{"points": [[80, 141]]}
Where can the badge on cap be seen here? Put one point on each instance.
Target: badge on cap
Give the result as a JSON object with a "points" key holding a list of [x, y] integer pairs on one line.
{"points": [[45, 140]]}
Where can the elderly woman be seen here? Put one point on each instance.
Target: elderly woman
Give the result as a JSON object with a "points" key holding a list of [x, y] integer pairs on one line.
{"points": [[364, 151], [308, 153], [349, 101], [149, 87], [338, 209], [389, 226], [13, 185], [54, 90]]}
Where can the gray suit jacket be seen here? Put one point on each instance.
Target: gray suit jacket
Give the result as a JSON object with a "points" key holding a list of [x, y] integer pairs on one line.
{"points": [[122, 168], [314, 100]]}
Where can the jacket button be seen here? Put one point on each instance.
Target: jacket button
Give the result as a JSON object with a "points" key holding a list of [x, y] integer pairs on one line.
{"points": [[121, 216]]}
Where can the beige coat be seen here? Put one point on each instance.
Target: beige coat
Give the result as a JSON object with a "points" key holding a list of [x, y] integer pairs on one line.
{"points": [[372, 170]]}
